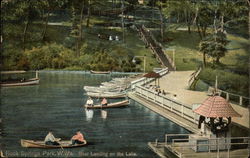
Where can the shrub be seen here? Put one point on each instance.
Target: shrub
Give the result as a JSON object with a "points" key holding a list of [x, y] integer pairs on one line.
{"points": [[227, 81], [49, 56]]}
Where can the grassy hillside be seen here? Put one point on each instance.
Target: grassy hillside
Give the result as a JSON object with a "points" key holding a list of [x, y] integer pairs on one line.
{"points": [[92, 46], [232, 72]]}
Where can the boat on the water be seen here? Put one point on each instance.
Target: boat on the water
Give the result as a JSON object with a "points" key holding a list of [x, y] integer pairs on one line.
{"points": [[32, 81], [110, 105], [18, 82], [106, 95], [100, 72], [41, 144]]}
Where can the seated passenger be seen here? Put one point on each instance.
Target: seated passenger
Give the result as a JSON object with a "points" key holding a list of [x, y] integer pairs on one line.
{"points": [[90, 102], [50, 139], [104, 102], [78, 138]]}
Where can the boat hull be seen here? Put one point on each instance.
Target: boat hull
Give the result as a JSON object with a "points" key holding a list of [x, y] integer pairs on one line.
{"points": [[111, 105], [100, 72], [41, 144], [107, 95], [33, 81]]}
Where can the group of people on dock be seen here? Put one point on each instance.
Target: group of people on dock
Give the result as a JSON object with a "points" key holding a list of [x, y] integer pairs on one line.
{"points": [[157, 89], [50, 139], [90, 102]]}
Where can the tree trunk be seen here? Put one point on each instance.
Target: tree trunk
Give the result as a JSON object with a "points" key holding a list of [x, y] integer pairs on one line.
{"points": [[248, 2], [123, 31], [204, 59], [88, 17], [215, 18], [45, 26], [222, 23], [204, 29], [189, 22], [77, 48], [81, 19], [199, 30], [162, 25], [249, 21], [25, 32], [178, 18], [217, 60]]}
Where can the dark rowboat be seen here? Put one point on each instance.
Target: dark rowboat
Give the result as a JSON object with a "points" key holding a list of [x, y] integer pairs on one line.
{"points": [[111, 105], [100, 72], [18, 82], [41, 144], [32, 81]]}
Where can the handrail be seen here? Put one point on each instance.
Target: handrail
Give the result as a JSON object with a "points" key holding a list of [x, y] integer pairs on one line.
{"points": [[168, 103]]}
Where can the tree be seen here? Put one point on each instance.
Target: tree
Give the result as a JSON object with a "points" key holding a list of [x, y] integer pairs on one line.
{"points": [[214, 46], [49, 6]]}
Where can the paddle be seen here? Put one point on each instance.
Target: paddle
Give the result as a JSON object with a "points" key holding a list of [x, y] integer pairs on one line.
{"points": [[58, 140]]}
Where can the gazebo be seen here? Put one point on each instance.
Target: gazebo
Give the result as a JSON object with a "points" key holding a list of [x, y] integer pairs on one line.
{"points": [[153, 75], [216, 108]]}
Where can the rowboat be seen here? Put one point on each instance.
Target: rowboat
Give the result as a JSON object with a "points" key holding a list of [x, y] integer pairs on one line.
{"points": [[17, 81], [106, 95], [100, 72], [32, 81], [111, 105], [101, 89], [41, 144]]}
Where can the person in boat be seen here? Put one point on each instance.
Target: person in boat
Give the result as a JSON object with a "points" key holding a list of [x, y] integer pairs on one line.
{"points": [[104, 102], [77, 138], [90, 102], [51, 140]]}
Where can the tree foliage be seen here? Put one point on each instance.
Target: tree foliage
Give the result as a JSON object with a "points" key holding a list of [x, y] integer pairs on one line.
{"points": [[214, 46]]}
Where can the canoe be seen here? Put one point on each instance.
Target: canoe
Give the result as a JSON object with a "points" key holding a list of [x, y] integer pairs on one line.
{"points": [[100, 72], [111, 105], [107, 95], [32, 81], [41, 144]]}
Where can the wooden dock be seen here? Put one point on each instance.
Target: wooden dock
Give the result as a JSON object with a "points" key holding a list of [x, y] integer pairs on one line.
{"points": [[168, 151], [166, 113]]}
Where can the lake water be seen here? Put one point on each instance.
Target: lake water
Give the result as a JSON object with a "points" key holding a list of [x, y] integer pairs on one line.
{"points": [[57, 104]]}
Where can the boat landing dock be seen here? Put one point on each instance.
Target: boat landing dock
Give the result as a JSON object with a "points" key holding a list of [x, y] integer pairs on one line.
{"points": [[163, 151], [166, 113]]}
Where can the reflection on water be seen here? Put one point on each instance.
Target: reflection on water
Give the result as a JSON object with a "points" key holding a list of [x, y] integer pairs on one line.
{"points": [[89, 114], [104, 114]]}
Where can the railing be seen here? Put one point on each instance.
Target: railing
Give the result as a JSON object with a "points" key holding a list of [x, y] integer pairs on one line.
{"points": [[155, 47], [144, 80], [234, 98], [168, 103], [194, 76], [208, 144]]}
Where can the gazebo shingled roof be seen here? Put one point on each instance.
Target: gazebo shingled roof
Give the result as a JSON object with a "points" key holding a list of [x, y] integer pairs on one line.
{"points": [[216, 106], [152, 75]]}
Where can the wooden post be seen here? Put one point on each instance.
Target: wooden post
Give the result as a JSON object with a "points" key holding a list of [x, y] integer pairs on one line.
{"points": [[227, 97], [240, 100], [36, 74], [172, 105], [156, 142], [182, 109]]}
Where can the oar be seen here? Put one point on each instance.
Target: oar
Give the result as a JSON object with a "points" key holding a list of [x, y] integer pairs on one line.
{"points": [[58, 140]]}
